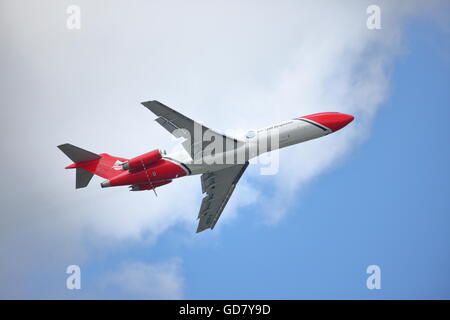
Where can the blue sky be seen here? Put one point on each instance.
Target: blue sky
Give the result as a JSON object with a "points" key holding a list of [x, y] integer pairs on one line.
{"points": [[383, 200], [386, 204]]}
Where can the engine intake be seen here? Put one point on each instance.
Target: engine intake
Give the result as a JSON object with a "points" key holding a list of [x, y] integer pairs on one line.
{"points": [[143, 161]]}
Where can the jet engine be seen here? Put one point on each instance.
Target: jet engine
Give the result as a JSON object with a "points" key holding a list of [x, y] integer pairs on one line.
{"points": [[143, 161], [149, 186]]}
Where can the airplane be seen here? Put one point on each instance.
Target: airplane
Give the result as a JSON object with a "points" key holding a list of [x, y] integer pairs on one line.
{"points": [[220, 167]]}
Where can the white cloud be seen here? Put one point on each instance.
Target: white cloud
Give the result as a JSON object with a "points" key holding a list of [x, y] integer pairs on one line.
{"points": [[212, 60]]}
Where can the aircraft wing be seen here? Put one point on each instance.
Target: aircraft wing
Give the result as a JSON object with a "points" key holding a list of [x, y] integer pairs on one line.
{"points": [[218, 185], [181, 126]]}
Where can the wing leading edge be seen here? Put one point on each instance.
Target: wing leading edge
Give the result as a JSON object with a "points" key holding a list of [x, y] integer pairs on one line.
{"points": [[218, 185], [182, 127]]}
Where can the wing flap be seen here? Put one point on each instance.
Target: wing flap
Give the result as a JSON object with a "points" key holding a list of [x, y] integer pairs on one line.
{"points": [[219, 186], [166, 124]]}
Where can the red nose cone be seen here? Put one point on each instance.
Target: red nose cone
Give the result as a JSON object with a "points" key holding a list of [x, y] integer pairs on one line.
{"points": [[332, 120]]}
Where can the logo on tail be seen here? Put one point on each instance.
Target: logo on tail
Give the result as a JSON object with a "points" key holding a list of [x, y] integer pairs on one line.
{"points": [[118, 165]]}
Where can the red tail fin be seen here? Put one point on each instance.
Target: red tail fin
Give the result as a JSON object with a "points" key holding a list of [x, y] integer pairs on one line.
{"points": [[88, 163], [106, 167]]}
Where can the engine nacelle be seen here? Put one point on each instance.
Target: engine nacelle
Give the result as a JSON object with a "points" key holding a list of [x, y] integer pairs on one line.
{"points": [[143, 161], [149, 186]]}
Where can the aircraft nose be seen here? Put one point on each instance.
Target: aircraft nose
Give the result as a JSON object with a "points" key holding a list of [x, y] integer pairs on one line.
{"points": [[332, 120]]}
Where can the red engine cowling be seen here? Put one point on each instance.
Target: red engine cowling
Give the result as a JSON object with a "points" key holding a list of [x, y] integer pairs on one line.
{"points": [[143, 161]]}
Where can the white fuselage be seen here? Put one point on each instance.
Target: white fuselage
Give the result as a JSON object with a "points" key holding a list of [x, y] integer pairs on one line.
{"points": [[288, 133], [255, 143]]}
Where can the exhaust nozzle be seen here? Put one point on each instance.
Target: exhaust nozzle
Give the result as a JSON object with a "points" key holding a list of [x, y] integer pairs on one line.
{"points": [[105, 184]]}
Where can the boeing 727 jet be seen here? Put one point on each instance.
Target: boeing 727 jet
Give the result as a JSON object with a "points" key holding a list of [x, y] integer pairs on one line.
{"points": [[219, 159]]}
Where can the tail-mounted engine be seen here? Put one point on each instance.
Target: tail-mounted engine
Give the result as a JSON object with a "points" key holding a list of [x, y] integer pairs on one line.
{"points": [[149, 186], [143, 161]]}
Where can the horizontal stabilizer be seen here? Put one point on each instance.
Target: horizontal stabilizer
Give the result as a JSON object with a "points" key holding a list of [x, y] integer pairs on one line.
{"points": [[88, 163], [77, 154], [83, 178], [80, 157]]}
